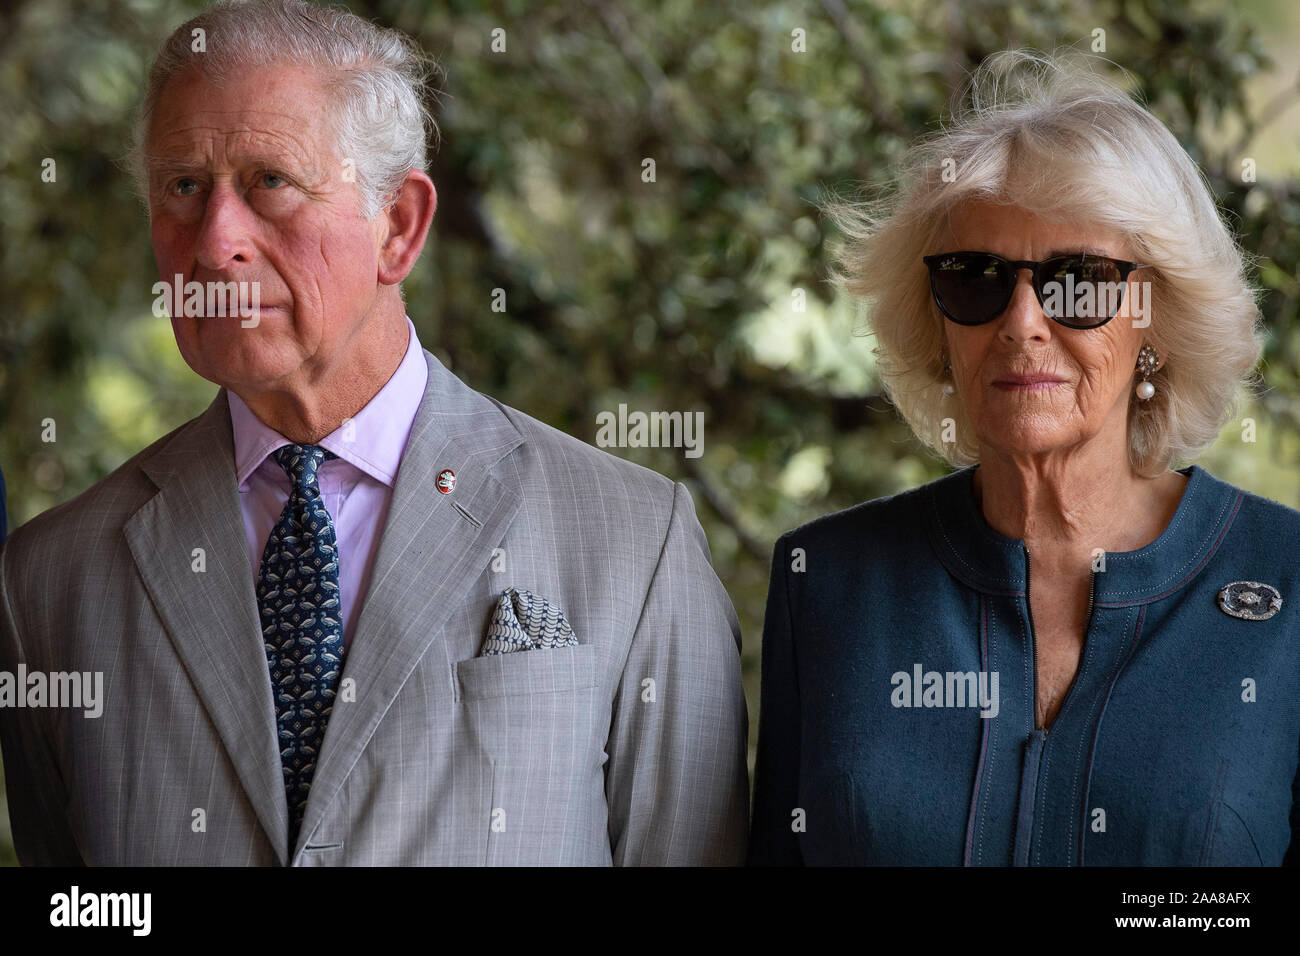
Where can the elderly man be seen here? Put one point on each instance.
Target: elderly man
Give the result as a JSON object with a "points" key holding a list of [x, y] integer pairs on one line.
{"points": [[355, 612]]}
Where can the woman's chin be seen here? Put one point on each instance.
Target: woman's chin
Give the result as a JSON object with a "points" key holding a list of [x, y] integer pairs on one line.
{"points": [[1029, 437]]}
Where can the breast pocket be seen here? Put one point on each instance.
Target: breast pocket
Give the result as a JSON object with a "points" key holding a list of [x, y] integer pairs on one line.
{"points": [[543, 671], [536, 723]]}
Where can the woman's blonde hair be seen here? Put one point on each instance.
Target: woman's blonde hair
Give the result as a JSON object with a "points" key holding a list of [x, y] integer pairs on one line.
{"points": [[1048, 134]]}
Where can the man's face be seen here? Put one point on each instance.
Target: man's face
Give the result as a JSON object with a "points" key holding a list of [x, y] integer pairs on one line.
{"points": [[245, 185]]}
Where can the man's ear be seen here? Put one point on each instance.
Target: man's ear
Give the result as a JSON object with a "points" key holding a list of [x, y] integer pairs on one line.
{"points": [[407, 221]]}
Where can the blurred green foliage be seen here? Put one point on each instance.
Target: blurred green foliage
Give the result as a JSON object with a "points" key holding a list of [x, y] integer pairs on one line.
{"points": [[672, 294]]}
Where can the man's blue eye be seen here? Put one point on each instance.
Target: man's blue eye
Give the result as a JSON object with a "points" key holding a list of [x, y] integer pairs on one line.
{"points": [[267, 177]]}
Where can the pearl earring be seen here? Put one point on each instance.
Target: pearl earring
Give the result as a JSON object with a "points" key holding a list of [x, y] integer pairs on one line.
{"points": [[949, 386], [1147, 362]]}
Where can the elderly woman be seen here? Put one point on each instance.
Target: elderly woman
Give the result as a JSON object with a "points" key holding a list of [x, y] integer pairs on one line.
{"points": [[1064, 652]]}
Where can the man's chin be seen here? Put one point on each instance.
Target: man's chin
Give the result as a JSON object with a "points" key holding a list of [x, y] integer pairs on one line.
{"points": [[237, 358]]}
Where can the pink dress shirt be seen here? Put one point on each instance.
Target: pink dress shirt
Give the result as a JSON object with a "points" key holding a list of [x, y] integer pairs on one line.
{"points": [[356, 487]]}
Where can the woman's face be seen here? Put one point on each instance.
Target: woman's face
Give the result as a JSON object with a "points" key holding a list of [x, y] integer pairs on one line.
{"points": [[1089, 372]]}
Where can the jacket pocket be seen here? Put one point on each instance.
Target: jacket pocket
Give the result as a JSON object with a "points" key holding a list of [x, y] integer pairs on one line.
{"points": [[1228, 840], [1231, 842], [832, 837], [542, 671], [535, 723]]}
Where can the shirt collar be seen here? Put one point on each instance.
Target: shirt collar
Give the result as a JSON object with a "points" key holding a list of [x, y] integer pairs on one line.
{"points": [[373, 440], [988, 561]]}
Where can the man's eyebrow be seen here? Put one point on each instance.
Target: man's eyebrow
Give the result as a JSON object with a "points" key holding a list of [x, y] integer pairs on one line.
{"points": [[169, 164], [176, 164]]}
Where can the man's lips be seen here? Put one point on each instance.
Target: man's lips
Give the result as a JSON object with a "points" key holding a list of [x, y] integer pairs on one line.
{"points": [[244, 311], [263, 307]]}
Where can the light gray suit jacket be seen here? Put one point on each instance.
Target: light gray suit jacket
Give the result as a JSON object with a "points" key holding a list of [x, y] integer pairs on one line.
{"points": [[628, 749]]}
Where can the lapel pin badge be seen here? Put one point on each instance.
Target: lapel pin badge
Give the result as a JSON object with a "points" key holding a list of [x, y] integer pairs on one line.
{"points": [[1250, 600], [446, 481]]}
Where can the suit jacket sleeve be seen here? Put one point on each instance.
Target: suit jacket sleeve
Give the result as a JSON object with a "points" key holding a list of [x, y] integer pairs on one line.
{"points": [[33, 783], [677, 778], [773, 841]]}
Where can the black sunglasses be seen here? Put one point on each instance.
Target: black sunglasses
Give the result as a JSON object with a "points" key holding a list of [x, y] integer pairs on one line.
{"points": [[1079, 291]]}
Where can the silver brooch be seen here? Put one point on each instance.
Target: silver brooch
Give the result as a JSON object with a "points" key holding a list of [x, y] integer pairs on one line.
{"points": [[1250, 600]]}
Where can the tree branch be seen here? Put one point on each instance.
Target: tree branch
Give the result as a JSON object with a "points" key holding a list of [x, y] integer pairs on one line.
{"points": [[725, 508]]}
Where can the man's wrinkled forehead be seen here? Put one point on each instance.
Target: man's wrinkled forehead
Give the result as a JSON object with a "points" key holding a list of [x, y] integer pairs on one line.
{"points": [[279, 123], [206, 139]]}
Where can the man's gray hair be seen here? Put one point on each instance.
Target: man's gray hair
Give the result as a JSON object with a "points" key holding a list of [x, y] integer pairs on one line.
{"points": [[378, 80]]}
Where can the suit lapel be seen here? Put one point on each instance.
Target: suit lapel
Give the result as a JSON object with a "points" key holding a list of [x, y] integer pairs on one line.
{"points": [[211, 615], [433, 547]]}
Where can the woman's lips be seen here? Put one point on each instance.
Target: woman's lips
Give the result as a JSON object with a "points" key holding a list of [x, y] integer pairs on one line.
{"points": [[1028, 383]]}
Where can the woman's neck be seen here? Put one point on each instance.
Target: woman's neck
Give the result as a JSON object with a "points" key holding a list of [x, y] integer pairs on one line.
{"points": [[1065, 510]]}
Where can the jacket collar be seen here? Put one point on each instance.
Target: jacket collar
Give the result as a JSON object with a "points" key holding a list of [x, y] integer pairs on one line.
{"points": [[983, 559]]}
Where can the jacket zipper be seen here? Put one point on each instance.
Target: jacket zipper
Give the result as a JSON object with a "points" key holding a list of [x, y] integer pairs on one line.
{"points": [[1037, 740], [1033, 639], [1092, 589], [1031, 757]]}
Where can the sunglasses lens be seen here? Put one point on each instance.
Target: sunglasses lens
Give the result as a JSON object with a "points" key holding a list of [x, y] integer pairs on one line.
{"points": [[1081, 291], [971, 288]]}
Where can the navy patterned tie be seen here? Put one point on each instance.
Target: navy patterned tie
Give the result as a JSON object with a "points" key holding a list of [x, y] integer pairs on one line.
{"points": [[298, 597]]}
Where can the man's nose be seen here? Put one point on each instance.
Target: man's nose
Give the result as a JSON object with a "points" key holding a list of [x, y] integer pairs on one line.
{"points": [[225, 231], [1024, 317]]}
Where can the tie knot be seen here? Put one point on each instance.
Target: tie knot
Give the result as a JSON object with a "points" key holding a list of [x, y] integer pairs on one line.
{"points": [[300, 462]]}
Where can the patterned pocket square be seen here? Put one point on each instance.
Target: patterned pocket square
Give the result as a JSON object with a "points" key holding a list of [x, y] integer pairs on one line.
{"points": [[523, 621]]}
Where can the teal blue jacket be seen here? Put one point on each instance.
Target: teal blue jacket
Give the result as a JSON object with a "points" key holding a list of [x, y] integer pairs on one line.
{"points": [[897, 704]]}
